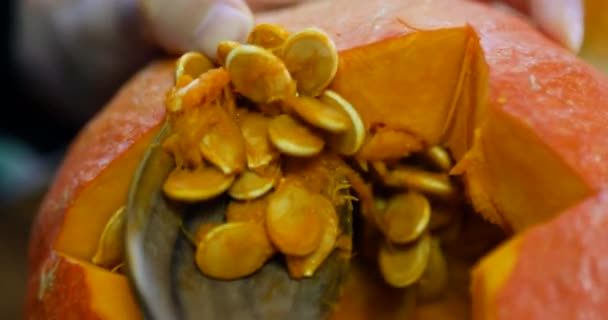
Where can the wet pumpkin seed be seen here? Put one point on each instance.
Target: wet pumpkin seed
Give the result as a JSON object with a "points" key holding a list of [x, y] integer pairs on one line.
{"points": [[406, 217], [402, 266], [250, 185], [268, 36], [110, 249], [349, 142], [324, 116], [233, 250], [259, 149], [293, 138], [300, 267], [223, 144], [437, 184], [258, 74], [435, 277], [440, 158], [312, 59], [192, 64], [293, 219], [199, 184]]}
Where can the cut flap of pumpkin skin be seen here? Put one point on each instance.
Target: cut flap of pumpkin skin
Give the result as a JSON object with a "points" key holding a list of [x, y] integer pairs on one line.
{"points": [[70, 289], [527, 284]]}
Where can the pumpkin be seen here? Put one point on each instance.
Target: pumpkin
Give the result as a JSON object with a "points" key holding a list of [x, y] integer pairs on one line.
{"points": [[525, 120]]}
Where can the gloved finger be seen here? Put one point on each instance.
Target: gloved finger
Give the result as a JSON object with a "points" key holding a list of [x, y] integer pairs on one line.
{"points": [[183, 25], [562, 20]]}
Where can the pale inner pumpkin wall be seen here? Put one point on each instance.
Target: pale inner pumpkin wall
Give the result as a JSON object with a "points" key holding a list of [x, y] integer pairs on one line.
{"points": [[85, 220]]}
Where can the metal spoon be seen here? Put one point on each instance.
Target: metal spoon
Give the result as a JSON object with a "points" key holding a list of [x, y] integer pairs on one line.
{"points": [[167, 283]]}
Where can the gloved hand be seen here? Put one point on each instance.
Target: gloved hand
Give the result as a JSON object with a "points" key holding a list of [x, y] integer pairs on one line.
{"points": [[562, 20], [183, 25]]}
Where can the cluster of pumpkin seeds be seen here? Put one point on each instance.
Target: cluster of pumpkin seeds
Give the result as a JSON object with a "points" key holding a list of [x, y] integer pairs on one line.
{"points": [[417, 207], [233, 121]]}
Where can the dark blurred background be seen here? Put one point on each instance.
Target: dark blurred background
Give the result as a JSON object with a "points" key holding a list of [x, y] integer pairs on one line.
{"points": [[32, 140]]}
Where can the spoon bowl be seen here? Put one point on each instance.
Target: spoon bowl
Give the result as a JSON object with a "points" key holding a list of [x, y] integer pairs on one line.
{"points": [[167, 282]]}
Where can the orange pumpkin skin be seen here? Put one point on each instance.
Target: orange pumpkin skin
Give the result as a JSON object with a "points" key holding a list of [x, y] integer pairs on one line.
{"points": [[122, 130], [556, 270], [529, 147], [70, 289]]}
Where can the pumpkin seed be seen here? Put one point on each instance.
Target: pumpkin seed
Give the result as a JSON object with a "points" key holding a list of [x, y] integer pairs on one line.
{"points": [[402, 266], [223, 144], [268, 36], [254, 210], [192, 64], [250, 185], [293, 219], [437, 184], [223, 49], [200, 184], [259, 150], [406, 217], [349, 142], [312, 59], [435, 277], [233, 250], [440, 158], [325, 116], [258, 74], [294, 138], [110, 249], [300, 267]]}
